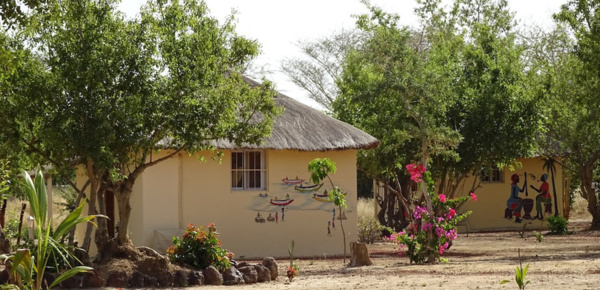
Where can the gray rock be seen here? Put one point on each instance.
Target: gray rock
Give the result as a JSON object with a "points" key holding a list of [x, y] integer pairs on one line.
{"points": [[263, 274], [195, 278], [271, 264], [181, 278], [249, 274], [117, 280], [232, 276], [136, 280], [151, 282], [241, 264], [212, 276], [92, 280], [73, 282]]}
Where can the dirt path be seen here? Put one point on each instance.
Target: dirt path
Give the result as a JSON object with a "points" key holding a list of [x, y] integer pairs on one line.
{"points": [[479, 261]]}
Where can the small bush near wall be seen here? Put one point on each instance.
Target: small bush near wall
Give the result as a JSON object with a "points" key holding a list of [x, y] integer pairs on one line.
{"points": [[558, 225], [200, 248], [369, 229]]}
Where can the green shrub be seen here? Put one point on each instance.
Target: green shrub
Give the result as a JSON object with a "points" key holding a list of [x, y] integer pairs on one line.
{"points": [[558, 225], [200, 248], [12, 230], [539, 236], [369, 229]]}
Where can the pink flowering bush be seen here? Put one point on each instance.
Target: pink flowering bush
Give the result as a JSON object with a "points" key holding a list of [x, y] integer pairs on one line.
{"points": [[431, 233]]}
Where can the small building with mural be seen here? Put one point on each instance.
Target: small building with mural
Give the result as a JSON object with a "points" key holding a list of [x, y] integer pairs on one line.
{"points": [[529, 193], [526, 193], [260, 197]]}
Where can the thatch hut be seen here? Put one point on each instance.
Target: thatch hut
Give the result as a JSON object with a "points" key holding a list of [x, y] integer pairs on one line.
{"points": [[251, 194]]}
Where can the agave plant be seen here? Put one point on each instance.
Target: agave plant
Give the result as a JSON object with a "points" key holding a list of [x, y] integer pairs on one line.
{"points": [[28, 268]]}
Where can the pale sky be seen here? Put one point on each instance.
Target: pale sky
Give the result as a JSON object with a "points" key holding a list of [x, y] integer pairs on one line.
{"points": [[279, 24]]}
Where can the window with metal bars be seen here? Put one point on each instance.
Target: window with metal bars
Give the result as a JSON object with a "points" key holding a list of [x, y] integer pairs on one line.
{"points": [[494, 176], [248, 170]]}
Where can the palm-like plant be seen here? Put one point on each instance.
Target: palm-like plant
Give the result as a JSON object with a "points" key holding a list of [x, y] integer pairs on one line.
{"points": [[549, 165], [28, 268]]}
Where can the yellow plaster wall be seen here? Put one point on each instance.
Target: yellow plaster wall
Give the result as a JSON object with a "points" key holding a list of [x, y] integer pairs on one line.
{"points": [[206, 196], [185, 190], [159, 199], [488, 210]]}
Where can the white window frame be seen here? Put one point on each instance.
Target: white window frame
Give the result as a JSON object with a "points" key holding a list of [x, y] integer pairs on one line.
{"points": [[246, 172]]}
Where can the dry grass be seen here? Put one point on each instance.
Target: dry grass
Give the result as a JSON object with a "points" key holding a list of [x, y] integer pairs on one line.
{"points": [[579, 207], [365, 207]]}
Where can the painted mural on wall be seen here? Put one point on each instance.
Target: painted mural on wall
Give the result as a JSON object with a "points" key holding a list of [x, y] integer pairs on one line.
{"points": [[520, 205], [292, 194]]}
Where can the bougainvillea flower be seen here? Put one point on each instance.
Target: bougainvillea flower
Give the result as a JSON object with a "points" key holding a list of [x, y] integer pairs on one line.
{"points": [[442, 198], [473, 196]]}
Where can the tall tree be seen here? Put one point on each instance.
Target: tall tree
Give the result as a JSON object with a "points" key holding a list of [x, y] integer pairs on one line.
{"points": [[321, 65], [394, 87], [572, 85], [496, 113], [115, 90]]}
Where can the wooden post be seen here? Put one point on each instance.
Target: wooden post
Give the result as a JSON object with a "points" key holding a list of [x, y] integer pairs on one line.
{"points": [[360, 255], [24, 206]]}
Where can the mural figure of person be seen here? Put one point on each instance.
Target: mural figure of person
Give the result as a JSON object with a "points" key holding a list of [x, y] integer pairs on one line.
{"points": [[328, 228], [543, 197], [514, 202], [282, 214], [276, 217], [333, 219]]}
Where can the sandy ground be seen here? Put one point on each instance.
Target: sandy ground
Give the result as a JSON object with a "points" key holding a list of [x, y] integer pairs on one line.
{"points": [[479, 261]]}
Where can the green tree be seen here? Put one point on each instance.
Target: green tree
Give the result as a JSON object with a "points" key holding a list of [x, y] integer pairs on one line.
{"points": [[117, 90], [571, 84], [496, 112], [394, 87]]}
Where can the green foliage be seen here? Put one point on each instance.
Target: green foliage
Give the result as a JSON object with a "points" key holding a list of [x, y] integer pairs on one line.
{"points": [[522, 231], [30, 266], [570, 82], [68, 198], [495, 112], [4, 179], [558, 225], [520, 274], [12, 230], [200, 248], [453, 89], [97, 89], [539, 236], [369, 229], [320, 168]]}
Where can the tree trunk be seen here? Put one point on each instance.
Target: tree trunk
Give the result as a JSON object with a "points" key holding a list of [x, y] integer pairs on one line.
{"points": [[123, 195], [3, 213], [343, 233], [554, 190], [359, 255], [589, 193], [91, 174], [101, 238]]}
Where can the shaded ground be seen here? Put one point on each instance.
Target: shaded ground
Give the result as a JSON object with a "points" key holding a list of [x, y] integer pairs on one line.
{"points": [[479, 261]]}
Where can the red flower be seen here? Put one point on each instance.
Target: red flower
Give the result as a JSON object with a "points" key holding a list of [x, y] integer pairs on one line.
{"points": [[473, 196]]}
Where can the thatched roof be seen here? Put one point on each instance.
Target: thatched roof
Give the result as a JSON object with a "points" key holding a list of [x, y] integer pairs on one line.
{"points": [[303, 128]]}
